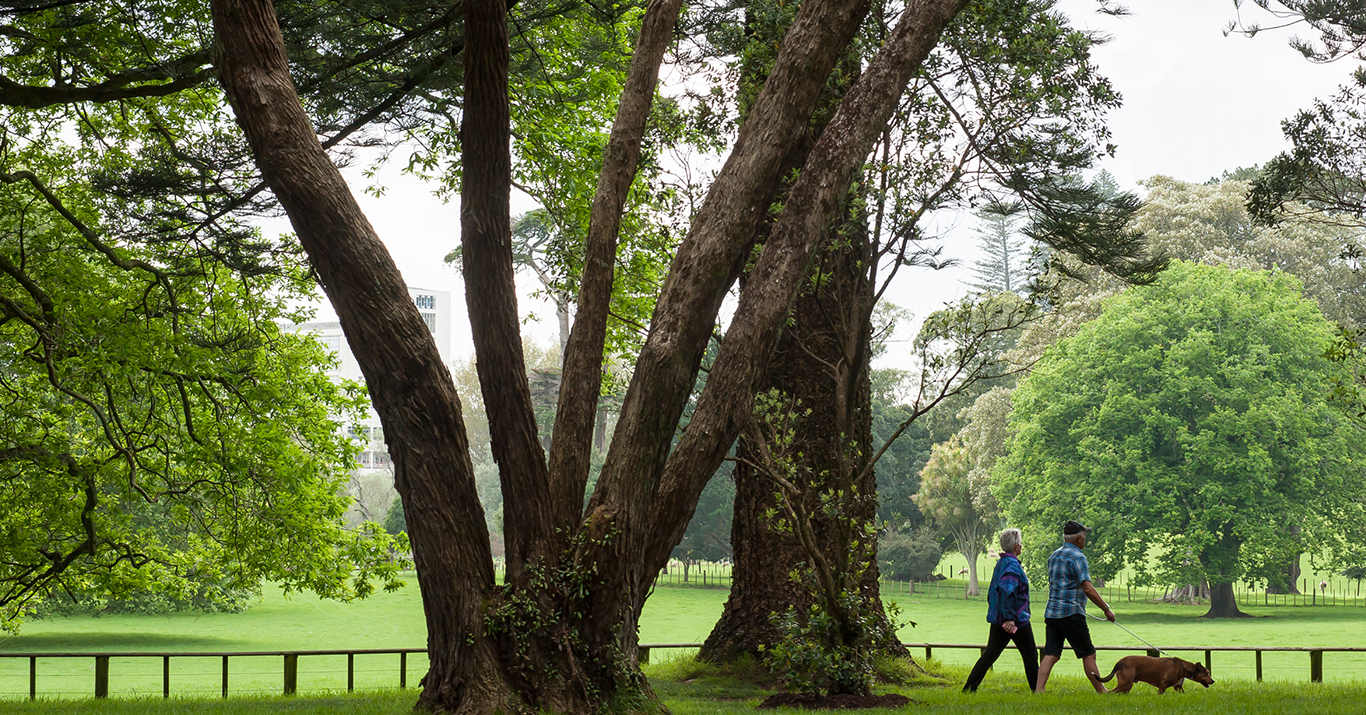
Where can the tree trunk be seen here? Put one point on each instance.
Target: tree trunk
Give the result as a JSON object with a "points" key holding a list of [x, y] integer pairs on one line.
{"points": [[759, 584], [822, 361], [558, 647], [972, 574], [1222, 603], [1291, 578], [824, 342], [409, 384]]}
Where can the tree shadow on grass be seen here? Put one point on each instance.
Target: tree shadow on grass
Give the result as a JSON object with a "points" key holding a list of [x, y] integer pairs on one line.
{"points": [[1285, 614]]}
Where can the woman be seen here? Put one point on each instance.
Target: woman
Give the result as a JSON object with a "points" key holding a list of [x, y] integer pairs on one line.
{"points": [[1008, 614]]}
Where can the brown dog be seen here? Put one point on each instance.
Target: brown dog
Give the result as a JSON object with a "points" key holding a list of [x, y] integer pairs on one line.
{"points": [[1161, 673]]}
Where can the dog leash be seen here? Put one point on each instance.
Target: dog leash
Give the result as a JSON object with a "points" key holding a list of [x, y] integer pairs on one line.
{"points": [[1126, 630]]}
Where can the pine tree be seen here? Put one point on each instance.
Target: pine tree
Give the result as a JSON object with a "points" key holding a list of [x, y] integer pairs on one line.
{"points": [[1005, 265]]}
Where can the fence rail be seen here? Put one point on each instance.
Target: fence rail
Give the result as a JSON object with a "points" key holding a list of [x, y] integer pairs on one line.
{"points": [[289, 673], [290, 660]]}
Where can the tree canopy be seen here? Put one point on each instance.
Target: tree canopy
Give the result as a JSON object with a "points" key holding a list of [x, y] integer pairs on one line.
{"points": [[162, 431], [1189, 422]]}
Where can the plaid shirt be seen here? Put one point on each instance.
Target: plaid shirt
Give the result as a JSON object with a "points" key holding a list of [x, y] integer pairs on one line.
{"points": [[1067, 569]]}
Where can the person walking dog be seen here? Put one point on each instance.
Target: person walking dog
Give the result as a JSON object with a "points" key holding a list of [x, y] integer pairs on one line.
{"points": [[1008, 614], [1069, 585]]}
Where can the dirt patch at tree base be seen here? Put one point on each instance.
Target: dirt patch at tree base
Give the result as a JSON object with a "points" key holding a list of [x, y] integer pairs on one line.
{"points": [[808, 701]]}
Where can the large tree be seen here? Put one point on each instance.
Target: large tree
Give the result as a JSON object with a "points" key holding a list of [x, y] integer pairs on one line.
{"points": [[1005, 261], [163, 430], [573, 593], [1189, 423], [560, 633], [982, 118]]}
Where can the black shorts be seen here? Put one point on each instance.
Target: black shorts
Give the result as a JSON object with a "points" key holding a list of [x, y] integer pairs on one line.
{"points": [[1071, 629]]}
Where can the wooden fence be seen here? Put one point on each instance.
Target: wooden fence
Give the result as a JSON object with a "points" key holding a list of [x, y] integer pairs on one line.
{"points": [[289, 671], [1341, 591], [290, 660]]}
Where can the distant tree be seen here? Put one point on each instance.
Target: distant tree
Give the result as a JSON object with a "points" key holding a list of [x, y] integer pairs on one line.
{"points": [[909, 557], [948, 499], [1005, 263], [394, 521], [1190, 424], [984, 437], [708, 534], [1210, 223], [898, 472]]}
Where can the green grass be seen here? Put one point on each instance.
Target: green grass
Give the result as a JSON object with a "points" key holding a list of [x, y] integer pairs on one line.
{"points": [[672, 615], [719, 696]]}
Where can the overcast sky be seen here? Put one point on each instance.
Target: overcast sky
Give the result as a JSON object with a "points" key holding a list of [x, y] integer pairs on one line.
{"points": [[1196, 103]]}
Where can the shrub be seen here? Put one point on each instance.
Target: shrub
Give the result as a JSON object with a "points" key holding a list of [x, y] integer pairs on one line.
{"points": [[913, 557]]}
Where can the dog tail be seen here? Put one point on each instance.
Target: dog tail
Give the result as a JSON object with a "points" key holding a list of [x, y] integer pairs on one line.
{"points": [[1107, 678]]}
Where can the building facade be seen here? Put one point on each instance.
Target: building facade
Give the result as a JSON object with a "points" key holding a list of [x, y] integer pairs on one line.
{"points": [[435, 307]]}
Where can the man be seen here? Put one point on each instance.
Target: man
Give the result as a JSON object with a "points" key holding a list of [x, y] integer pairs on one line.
{"points": [[1069, 578], [1008, 614]]}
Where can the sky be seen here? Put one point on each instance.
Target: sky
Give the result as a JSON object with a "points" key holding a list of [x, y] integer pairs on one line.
{"points": [[1196, 103]]}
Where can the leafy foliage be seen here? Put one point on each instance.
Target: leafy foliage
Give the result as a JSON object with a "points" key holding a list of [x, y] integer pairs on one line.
{"points": [[947, 496], [166, 439], [1189, 421], [162, 432], [813, 658], [909, 557], [708, 534]]}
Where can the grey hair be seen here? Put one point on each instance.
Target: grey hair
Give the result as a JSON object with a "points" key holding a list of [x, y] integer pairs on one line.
{"points": [[1009, 539]]}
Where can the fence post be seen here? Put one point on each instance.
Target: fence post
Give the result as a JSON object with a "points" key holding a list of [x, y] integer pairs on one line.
{"points": [[643, 655], [1259, 666], [165, 676], [225, 676], [101, 676], [1316, 666], [1154, 653], [403, 670], [33, 677], [1209, 664], [291, 673], [350, 672], [928, 652]]}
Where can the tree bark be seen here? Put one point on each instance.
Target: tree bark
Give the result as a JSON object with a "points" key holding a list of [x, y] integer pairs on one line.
{"points": [[644, 523], [587, 638], [491, 291], [409, 384], [782, 265], [570, 450], [1223, 603], [761, 584], [743, 626]]}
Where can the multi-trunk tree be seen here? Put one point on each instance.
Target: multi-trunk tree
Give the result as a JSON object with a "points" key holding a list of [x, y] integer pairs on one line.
{"points": [[560, 632], [575, 582]]}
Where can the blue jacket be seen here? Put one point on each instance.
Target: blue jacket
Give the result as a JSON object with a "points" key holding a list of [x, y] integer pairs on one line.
{"points": [[1008, 595]]}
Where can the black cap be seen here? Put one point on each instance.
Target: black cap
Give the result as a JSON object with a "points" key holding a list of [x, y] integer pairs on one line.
{"points": [[1074, 527]]}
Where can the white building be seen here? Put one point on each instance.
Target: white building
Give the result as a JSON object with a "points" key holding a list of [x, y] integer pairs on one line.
{"points": [[435, 307]]}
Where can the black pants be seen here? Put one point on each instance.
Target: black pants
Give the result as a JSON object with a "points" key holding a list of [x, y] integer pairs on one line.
{"points": [[996, 642]]}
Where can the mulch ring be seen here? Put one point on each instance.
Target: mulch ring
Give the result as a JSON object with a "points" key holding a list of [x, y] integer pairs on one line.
{"points": [[809, 701]]}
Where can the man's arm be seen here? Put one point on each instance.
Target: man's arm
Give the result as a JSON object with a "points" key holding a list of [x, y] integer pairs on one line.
{"points": [[1092, 594]]}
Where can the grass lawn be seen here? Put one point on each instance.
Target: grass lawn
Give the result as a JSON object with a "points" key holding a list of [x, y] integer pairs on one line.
{"points": [[672, 615], [701, 697]]}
